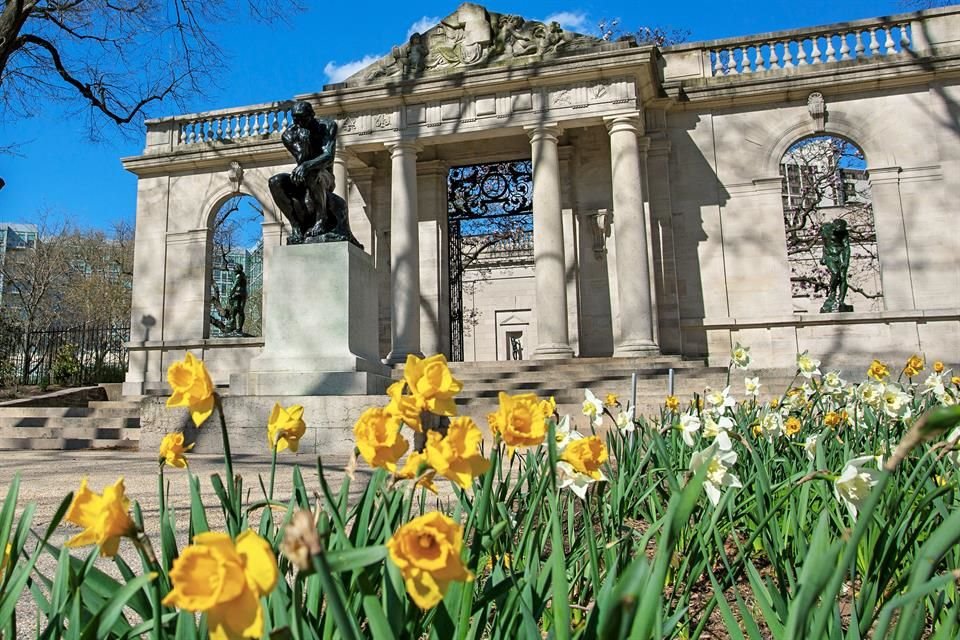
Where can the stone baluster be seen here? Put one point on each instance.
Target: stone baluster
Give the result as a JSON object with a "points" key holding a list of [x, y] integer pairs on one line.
{"points": [[630, 232], [219, 133], [831, 52], [859, 49], [774, 60], [404, 253], [273, 122], [758, 58], [844, 47], [874, 43], [717, 64], [889, 44], [731, 62], [283, 122], [904, 37], [787, 55], [814, 50], [183, 134], [548, 260], [245, 133], [255, 131], [745, 59], [801, 54]]}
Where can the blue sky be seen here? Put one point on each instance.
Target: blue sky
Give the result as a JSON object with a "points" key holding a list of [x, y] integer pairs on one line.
{"points": [[59, 171]]}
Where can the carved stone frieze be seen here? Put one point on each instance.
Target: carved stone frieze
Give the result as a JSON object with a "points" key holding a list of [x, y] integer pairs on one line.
{"points": [[473, 37]]}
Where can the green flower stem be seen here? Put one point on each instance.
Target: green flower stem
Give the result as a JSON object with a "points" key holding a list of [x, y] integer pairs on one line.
{"points": [[273, 470], [142, 542], [227, 457], [335, 599]]}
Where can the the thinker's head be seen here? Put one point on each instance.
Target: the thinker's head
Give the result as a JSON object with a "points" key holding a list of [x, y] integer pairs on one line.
{"points": [[302, 113]]}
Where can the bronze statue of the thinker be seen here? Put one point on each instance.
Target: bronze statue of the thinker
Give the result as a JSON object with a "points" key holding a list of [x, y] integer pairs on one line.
{"points": [[305, 196]]}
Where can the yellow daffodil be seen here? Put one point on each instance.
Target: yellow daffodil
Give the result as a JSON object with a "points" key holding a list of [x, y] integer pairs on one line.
{"points": [[791, 426], [192, 388], [548, 406], [378, 438], [586, 456], [105, 519], [172, 450], [832, 419], [672, 403], [411, 469], [427, 550], [225, 580], [611, 400], [955, 380], [938, 367], [404, 406], [914, 366], [520, 421], [456, 456], [432, 384], [878, 371], [285, 427]]}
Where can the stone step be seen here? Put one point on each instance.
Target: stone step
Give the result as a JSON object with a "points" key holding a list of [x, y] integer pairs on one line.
{"points": [[71, 432], [127, 403], [626, 364], [65, 444], [45, 422], [68, 412]]}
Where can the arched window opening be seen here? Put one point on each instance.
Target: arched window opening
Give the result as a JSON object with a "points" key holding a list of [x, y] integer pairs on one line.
{"points": [[825, 179], [236, 273]]}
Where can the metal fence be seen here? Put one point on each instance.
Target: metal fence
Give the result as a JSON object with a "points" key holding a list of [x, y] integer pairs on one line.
{"points": [[75, 356]]}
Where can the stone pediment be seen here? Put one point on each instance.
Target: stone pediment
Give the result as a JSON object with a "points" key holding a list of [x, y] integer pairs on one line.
{"points": [[472, 37]]}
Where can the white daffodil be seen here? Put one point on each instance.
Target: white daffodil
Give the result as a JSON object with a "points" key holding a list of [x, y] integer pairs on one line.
{"points": [[810, 446], [719, 430], [565, 435], [808, 366], [625, 421], [833, 383], [720, 400], [740, 357], [570, 478], [896, 402], [718, 464], [689, 425], [935, 385], [794, 402], [593, 408], [871, 393], [855, 482], [752, 386], [771, 425]]}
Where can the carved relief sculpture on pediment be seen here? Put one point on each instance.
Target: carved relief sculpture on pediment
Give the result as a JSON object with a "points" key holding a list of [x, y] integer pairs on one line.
{"points": [[473, 37]]}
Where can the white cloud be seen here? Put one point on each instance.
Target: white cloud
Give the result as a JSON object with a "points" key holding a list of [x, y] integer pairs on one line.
{"points": [[340, 72], [423, 24], [569, 20]]}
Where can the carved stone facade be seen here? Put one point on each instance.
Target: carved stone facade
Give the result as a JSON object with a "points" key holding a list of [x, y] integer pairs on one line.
{"points": [[658, 221]]}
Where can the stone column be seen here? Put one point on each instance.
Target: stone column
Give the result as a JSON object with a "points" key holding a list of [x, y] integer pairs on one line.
{"points": [[548, 252], [341, 186], [637, 319], [404, 253]]}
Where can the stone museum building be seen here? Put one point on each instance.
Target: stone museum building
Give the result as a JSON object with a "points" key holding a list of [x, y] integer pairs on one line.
{"points": [[525, 192]]}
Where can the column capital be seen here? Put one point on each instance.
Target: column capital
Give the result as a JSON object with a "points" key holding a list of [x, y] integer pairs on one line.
{"points": [[880, 175], [402, 146], [547, 130], [432, 167], [626, 122]]}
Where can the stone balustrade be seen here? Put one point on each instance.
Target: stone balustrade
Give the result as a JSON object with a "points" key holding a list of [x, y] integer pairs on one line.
{"points": [[791, 50], [242, 124]]}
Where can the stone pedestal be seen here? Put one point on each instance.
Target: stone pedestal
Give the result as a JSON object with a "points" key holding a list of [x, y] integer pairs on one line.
{"points": [[320, 328]]}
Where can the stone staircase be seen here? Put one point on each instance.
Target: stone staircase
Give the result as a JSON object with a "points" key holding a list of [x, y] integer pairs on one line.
{"points": [[95, 424], [566, 381]]}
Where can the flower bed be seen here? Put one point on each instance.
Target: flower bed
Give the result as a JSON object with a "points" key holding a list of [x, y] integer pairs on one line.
{"points": [[830, 512]]}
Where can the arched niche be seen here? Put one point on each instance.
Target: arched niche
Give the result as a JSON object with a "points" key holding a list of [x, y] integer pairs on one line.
{"points": [[825, 179], [234, 266]]}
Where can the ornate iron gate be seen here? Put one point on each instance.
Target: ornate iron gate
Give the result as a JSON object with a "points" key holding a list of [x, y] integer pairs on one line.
{"points": [[488, 205]]}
